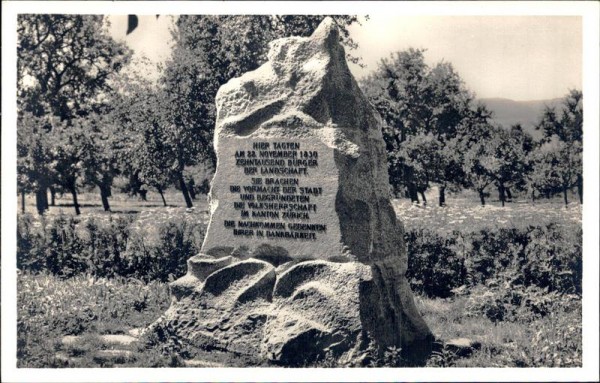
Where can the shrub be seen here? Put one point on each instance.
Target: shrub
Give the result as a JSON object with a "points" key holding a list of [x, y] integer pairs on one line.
{"points": [[29, 245], [435, 268], [65, 247], [106, 247], [167, 259], [548, 257]]}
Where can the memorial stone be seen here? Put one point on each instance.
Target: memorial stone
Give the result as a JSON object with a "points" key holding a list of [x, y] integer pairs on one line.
{"points": [[303, 255]]}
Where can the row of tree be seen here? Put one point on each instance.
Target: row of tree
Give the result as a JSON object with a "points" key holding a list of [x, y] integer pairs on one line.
{"points": [[85, 116], [436, 133]]}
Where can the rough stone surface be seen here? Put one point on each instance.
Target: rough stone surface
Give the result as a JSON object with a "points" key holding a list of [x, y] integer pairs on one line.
{"points": [[293, 293], [70, 340], [315, 312], [228, 310], [135, 332]]}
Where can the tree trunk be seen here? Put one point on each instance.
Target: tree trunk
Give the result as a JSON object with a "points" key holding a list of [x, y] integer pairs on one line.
{"points": [[22, 201], [410, 185], [442, 191], [508, 195], [160, 191], [45, 199], [191, 190], [184, 190], [41, 200], [75, 203], [580, 188], [565, 195], [423, 197], [501, 194], [52, 196], [482, 197], [104, 194], [39, 204], [415, 195]]}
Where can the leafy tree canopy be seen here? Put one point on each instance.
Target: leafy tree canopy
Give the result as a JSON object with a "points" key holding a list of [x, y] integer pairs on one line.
{"points": [[64, 63]]}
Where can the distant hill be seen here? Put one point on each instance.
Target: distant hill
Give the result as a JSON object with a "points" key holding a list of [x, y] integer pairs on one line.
{"points": [[527, 113]]}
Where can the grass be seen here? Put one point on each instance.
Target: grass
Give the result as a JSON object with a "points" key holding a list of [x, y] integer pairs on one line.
{"points": [[553, 340], [50, 308], [147, 216], [464, 213]]}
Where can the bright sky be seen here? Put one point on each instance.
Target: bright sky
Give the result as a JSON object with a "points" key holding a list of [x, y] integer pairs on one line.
{"points": [[515, 57]]}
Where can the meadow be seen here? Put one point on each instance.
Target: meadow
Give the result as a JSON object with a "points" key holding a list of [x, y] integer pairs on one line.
{"points": [[507, 278]]}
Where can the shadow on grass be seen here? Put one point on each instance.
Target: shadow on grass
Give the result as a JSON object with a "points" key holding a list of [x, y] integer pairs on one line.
{"points": [[80, 205]]}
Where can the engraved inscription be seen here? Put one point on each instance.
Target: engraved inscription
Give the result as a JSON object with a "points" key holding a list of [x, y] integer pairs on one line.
{"points": [[275, 194], [275, 191]]}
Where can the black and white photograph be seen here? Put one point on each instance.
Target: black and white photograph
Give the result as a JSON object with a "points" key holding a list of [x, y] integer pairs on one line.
{"points": [[305, 190]]}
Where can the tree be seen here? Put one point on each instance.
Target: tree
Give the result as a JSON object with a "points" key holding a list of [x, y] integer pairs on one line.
{"points": [[565, 126], [511, 165], [416, 100], [423, 154], [558, 166], [69, 145], [33, 158], [101, 159], [154, 158], [525, 144], [64, 64], [494, 156], [479, 162]]}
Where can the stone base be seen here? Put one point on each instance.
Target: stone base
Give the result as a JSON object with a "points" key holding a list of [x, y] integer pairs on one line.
{"points": [[292, 315]]}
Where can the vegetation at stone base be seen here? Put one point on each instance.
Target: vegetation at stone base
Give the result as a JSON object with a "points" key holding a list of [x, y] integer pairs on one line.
{"points": [[532, 340], [50, 308]]}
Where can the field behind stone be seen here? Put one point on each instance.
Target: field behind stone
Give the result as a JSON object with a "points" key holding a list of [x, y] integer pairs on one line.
{"points": [[541, 328]]}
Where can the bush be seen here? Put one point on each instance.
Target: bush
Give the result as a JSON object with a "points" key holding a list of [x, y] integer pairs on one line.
{"points": [[167, 259], [106, 247], [547, 257], [29, 240], [434, 268], [66, 248]]}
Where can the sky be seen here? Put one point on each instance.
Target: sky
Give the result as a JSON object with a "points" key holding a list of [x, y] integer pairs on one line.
{"points": [[515, 57]]}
